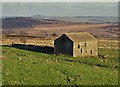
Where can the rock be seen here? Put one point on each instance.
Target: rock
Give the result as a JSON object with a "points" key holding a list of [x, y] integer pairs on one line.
{"points": [[96, 67], [19, 59]]}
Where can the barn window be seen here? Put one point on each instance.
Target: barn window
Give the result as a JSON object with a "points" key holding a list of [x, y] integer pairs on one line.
{"points": [[81, 50], [85, 44], [91, 52], [78, 46]]}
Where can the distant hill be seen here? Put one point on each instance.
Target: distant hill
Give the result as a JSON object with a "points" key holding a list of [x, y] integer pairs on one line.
{"points": [[40, 16], [83, 19], [86, 19], [23, 22], [28, 22]]}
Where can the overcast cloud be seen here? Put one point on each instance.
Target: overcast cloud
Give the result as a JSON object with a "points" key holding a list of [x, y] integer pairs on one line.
{"points": [[60, 8]]}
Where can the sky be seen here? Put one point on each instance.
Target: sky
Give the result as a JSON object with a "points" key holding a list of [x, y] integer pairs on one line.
{"points": [[59, 0], [60, 8]]}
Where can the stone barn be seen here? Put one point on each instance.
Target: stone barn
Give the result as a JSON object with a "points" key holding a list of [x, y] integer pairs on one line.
{"points": [[76, 44]]}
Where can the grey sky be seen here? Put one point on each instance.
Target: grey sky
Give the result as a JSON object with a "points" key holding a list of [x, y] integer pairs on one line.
{"points": [[60, 0], [60, 8]]}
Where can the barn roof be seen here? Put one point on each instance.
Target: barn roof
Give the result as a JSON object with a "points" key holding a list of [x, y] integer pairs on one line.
{"points": [[80, 36]]}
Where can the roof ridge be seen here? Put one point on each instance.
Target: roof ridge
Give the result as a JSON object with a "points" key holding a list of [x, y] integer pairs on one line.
{"points": [[77, 33], [80, 36]]}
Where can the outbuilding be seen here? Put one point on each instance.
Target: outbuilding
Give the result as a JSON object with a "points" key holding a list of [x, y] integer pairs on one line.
{"points": [[76, 44]]}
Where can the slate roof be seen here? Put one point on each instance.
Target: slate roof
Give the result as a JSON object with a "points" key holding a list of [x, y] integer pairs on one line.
{"points": [[80, 36]]}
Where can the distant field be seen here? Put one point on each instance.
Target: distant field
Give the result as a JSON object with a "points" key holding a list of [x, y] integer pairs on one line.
{"points": [[102, 43], [22, 67], [112, 44], [100, 27]]}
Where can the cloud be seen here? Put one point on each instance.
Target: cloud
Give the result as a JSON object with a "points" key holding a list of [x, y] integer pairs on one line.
{"points": [[60, 8]]}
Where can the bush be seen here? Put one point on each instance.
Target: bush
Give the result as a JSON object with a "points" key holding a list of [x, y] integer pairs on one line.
{"points": [[54, 34]]}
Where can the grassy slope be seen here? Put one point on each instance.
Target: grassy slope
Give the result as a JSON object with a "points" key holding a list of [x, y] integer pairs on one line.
{"points": [[32, 68]]}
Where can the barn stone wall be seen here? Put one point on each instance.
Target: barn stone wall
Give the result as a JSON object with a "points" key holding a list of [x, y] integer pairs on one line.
{"points": [[63, 45], [88, 48]]}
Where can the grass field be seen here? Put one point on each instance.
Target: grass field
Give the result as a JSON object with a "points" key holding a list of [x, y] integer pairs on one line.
{"points": [[22, 67]]}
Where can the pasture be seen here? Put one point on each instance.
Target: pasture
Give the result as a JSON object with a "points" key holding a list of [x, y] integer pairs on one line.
{"points": [[23, 67]]}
